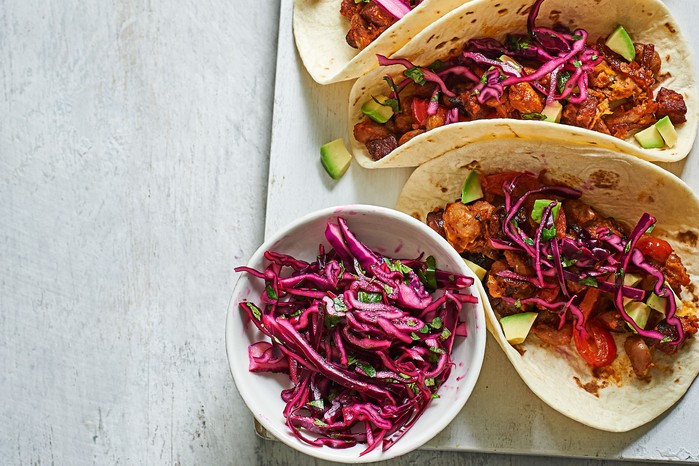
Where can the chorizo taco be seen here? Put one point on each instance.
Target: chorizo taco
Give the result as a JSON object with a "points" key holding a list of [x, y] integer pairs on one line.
{"points": [[548, 70], [590, 269], [338, 39]]}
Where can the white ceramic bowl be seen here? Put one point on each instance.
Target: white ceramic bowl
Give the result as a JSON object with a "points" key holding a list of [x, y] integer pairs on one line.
{"points": [[392, 234]]}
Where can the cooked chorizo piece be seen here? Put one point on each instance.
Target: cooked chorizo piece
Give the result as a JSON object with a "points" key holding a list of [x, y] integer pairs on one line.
{"points": [[671, 103]]}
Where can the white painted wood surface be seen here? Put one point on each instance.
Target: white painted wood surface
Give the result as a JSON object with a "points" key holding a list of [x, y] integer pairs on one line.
{"points": [[134, 153]]}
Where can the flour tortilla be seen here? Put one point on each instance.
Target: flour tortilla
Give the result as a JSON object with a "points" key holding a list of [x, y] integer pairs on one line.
{"points": [[320, 30], [617, 185], [647, 22]]}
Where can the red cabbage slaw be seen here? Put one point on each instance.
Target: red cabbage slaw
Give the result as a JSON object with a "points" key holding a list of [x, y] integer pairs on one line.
{"points": [[365, 339], [586, 260], [563, 56], [396, 8]]}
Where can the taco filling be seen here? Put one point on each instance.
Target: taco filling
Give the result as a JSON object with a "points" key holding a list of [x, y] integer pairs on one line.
{"points": [[369, 18], [552, 74], [581, 276]]}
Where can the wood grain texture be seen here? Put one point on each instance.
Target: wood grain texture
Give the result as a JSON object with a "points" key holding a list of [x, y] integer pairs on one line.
{"points": [[134, 156]]}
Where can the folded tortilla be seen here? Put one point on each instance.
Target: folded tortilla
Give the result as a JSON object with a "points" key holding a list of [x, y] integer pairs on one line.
{"points": [[617, 185], [647, 22], [320, 30]]}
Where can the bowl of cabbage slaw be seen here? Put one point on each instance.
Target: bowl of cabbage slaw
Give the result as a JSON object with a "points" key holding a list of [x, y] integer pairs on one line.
{"points": [[355, 334]]}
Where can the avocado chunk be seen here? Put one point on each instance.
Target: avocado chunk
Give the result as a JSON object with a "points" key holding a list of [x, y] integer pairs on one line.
{"points": [[620, 42], [335, 158], [511, 61], [650, 138], [658, 302], [471, 190], [477, 269], [553, 112], [630, 279], [667, 131], [516, 326], [540, 205], [377, 109], [639, 312]]}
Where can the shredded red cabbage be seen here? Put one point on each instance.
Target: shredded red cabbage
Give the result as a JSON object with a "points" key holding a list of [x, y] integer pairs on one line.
{"points": [[397, 8], [588, 261], [364, 342], [563, 56]]}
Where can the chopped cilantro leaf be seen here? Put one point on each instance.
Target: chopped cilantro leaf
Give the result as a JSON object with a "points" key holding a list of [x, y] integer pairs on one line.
{"points": [[436, 323], [365, 297], [255, 310], [533, 116], [445, 334], [368, 369], [271, 293], [589, 281], [416, 74], [317, 404]]}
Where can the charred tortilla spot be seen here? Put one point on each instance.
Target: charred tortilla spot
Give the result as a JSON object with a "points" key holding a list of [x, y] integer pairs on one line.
{"points": [[472, 165], [473, 21], [468, 13], [443, 189], [416, 215], [554, 15], [428, 40], [688, 237], [604, 179], [440, 45], [503, 11], [671, 28], [646, 198], [590, 387]]}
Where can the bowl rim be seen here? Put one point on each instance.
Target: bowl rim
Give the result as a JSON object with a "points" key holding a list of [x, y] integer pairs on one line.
{"points": [[466, 383]]}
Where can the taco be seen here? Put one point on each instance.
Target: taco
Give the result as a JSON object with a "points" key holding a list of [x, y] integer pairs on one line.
{"points": [[338, 39], [554, 66], [591, 260]]}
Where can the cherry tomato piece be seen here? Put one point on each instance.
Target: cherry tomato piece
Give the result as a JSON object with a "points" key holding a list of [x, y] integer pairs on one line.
{"points": [[419, 110], [655, 248], [597, 348]]}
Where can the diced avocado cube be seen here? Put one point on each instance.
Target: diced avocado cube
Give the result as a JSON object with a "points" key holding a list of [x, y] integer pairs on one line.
{"points": [[477, 269], [650, 138], [620, 42], [335, 158], [516, 326], [540, 205], [667, 131], [511, 61], [630, 279], [639, 312], [658, 302], [553, 112], [377, 110], [471, 190]]}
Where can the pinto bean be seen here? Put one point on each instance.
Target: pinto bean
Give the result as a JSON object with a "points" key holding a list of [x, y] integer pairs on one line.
{"points": [[639, 354]]}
